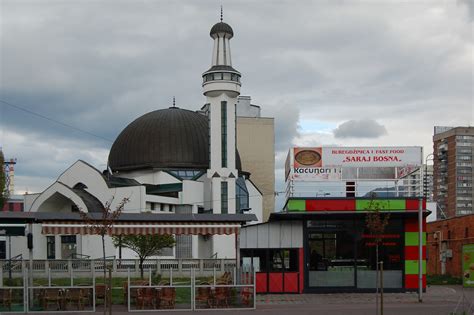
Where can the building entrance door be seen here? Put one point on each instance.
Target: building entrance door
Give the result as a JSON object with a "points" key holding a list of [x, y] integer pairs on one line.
{"points": [[330, 257]]}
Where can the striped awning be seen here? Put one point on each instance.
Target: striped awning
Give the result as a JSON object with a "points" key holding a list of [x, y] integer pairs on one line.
{"points": [[144, 228]]}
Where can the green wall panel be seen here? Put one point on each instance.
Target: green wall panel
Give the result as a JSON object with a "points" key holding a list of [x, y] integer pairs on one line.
{"points": [[411, 267], [296, 205], [387, 204], [411, 238]]}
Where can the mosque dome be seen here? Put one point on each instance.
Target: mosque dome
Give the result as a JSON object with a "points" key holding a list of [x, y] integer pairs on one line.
{"points": [[222, 27], [170, 138]]}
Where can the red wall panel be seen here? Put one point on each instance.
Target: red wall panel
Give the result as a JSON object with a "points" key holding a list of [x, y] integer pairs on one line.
{"points": [[275, 280], [291, 282], [261, 282], [411, 252], [330, 205], [411, 281], [411, 225], [413, 204]]}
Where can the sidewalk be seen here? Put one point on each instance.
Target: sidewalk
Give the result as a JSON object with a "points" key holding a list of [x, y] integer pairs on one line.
{"points": [[437, 300]]}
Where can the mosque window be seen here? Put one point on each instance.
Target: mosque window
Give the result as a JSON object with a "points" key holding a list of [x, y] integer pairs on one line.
{"points": [[224, 198], [242, 195], [187, 174], [224, 133]]}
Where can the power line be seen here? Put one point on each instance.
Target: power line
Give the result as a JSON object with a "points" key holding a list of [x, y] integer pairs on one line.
{"points": [[54, 120]]}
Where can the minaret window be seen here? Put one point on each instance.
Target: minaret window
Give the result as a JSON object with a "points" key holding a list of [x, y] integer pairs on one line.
{"points": [[242, 195], [224, 133], [224, 197]]}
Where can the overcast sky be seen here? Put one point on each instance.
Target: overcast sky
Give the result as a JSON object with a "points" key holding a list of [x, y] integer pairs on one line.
{"points": [[330, 72]]}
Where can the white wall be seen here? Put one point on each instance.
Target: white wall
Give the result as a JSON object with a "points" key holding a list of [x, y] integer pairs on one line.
{"points": [[255, 202], [224, 246], [280, 234]]}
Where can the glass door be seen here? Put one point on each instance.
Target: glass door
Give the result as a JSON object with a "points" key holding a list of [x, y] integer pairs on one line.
{"points": [[330, 256]]}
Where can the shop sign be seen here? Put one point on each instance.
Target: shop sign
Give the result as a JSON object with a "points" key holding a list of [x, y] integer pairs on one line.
{"points": [[468, 265], [12, 230], [327, 163]]}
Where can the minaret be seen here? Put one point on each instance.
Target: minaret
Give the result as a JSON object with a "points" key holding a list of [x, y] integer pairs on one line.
{"points": [[221, 86]]}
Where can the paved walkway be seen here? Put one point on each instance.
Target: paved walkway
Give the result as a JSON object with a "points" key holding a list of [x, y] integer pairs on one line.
{"points": [[437, 300]]}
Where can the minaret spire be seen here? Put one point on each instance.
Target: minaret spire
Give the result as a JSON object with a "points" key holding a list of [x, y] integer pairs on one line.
{"points": [[221, 86]]}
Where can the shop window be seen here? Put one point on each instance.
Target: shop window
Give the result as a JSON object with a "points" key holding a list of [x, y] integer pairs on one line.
{"points": [[390, 253], [50, 247], [283, 260], [68, 246], [270, 260], [3, 250]]}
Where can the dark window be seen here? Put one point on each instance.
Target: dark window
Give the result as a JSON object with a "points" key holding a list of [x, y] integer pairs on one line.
{"points": [[466, 232], [270, 260], [11, 206], [152, 206], [224, 197], [390, 248], [68, 239], [283, 260], [224, 133], [3, 250], [50, 247], [242, 195]]}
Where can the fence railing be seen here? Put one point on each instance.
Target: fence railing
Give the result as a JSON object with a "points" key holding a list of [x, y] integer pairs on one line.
{"points": [[231, 290], [118, 266]]}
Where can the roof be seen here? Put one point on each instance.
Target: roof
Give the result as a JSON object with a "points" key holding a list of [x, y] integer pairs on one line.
{"points": [[38, 217], [92, 203], [171, 138], [221, 68], [222, 27]]}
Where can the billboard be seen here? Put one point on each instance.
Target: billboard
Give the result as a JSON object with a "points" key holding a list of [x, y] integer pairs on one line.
{"points": [[468, 265], [328, 163]]}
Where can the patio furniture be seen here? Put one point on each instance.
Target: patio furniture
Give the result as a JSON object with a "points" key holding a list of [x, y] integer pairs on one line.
{"points": [[6, 298], [75, 296], [133, 291], [145, 297], [166, 297], [100, 292], [221, 296], [246, 296], [52, 296], [204, 295]]}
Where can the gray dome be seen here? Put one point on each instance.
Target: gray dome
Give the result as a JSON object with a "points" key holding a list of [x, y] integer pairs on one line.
{"points": [[170, 138], [222, 27]]}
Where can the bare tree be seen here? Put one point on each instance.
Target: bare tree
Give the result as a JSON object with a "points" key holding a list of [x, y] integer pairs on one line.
{"points": [[102, 226], [376, 222]]}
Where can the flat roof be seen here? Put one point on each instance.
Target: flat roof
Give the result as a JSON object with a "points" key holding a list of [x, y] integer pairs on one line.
{"points": [[38, 217]]}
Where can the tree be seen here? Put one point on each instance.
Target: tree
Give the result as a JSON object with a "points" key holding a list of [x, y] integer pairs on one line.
{"points": [[3, 189], [101, 226], [144, 245], [376, 222]]}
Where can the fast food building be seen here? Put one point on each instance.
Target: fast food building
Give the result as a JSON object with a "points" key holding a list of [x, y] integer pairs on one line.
{"points": [[320, 241]]}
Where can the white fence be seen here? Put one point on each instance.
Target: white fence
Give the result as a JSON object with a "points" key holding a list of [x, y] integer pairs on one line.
{"points": [[120, 267]]}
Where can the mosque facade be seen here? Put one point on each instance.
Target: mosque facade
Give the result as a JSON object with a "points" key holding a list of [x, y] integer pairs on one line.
{"points": [[168, 161]]}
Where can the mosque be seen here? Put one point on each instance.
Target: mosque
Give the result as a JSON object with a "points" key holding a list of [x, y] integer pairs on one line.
{"points": [[173, 162]]}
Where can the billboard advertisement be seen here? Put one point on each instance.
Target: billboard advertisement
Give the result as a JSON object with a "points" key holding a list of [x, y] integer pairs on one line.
{"points": [[327, 163], [468, 265]]}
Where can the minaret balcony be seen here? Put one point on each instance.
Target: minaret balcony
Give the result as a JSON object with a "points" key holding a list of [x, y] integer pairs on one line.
{"points": [[216, 87]]}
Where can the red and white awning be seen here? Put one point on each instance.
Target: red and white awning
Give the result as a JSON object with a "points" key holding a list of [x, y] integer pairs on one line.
{"points": [[144, 228]]}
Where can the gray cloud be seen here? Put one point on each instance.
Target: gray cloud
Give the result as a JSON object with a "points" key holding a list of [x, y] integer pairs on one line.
{"points": [[364, 128], [99, 66]]}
